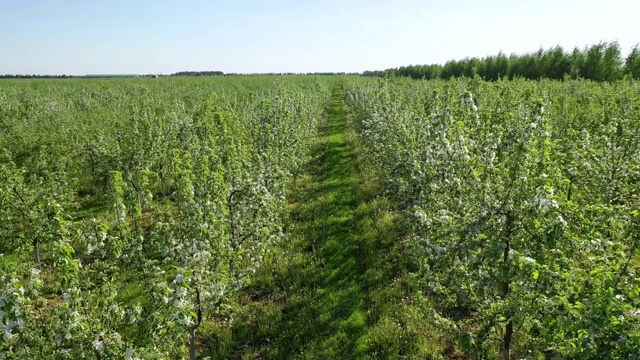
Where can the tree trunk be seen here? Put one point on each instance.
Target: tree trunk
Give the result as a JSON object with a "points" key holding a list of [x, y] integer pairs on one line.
{"points": [[36, 248], [164, 186], [508, 333], [192, 343], [192, 329], [506, 342]]}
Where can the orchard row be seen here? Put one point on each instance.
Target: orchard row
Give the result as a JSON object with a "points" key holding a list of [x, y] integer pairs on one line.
{"points": [[522, 201], [131, 210]]}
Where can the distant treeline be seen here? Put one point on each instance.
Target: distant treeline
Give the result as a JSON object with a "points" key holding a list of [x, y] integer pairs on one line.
{"points": [[181, 73], [220, 73], [25, 76], [97, 76], [602, 62], [308, 73], [198, 73]]}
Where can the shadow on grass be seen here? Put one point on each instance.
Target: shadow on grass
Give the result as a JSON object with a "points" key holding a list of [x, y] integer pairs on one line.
{"points": [[92, 206]]}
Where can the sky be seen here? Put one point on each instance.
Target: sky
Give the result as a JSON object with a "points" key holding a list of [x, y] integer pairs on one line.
{"points": [[77, 37]]}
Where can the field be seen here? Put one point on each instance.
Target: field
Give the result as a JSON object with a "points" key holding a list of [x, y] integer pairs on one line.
{"points": [[253, 217]]}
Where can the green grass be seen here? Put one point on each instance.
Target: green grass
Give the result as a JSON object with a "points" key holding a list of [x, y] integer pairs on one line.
{"points": [[7, 260], [93, 206], [338, 288]]}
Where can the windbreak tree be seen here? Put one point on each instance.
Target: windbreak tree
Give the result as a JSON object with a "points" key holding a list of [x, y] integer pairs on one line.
{"points": [[632, 63]]}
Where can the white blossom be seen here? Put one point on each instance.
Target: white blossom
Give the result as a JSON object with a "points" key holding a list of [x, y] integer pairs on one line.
{"points": [[622, 338], [181, 291], [98, 345], [562, 220]]}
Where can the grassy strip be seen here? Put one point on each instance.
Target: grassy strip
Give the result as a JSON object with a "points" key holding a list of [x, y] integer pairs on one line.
{"points": [[338, 289]]}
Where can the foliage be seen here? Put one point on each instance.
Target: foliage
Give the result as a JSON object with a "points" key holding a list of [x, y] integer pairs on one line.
{"points": [[196, 172], [522, 200]]}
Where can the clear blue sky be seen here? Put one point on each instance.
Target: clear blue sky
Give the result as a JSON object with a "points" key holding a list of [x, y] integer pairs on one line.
{"points": [[161, 36]]}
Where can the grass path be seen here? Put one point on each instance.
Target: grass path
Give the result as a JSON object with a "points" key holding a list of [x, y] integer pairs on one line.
{"points": [[336, 289], [334, 296]]}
